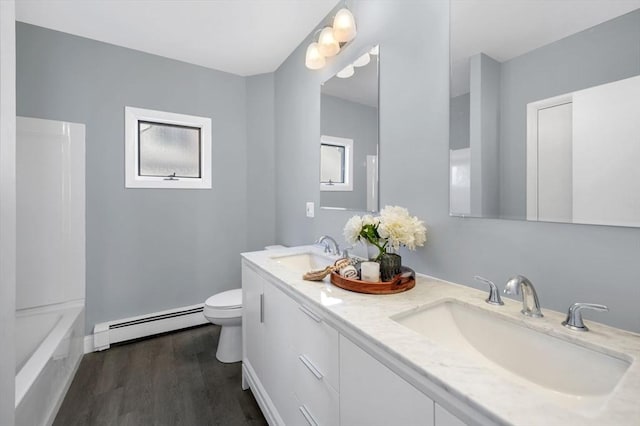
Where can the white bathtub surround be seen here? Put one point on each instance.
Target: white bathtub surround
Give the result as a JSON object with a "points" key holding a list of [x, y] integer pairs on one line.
{"points": [[50, 264], [453, 379], [49, 343], [50, 169]]}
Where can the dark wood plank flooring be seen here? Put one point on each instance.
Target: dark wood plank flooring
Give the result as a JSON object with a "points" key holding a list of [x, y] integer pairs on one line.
{"points": [[172, 379]]}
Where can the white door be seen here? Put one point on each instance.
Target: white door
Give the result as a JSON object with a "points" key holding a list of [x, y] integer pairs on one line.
{"points": [[555, 171]]}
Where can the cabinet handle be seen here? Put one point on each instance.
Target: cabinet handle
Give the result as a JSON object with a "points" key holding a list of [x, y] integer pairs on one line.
{"points": [[262, 307], [307, 416], [307, 363], [310, 313]]}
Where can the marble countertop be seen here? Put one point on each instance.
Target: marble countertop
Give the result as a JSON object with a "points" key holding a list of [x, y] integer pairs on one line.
{"points": [[505, 401]]}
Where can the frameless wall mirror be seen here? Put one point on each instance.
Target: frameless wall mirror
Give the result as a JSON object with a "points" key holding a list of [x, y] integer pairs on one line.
{"points": [[349, 136], [545, 111]]}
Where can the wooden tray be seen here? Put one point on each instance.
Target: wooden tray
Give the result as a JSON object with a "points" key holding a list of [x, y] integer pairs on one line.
{"points": [[397, 285]]}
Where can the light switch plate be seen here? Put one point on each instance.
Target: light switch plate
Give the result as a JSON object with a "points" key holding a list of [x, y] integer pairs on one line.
{"points": [[310, 209]]}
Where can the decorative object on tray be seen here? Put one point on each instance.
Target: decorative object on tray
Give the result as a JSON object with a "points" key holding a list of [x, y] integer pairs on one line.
{"points": [[319, 274], [387, 232], [404, 281]]}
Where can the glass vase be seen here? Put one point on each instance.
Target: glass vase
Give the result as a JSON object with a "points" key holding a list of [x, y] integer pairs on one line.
{"points": [[390, 264]]}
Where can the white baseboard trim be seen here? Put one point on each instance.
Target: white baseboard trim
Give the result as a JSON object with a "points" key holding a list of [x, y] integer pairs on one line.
{"points": [[107, 333]]}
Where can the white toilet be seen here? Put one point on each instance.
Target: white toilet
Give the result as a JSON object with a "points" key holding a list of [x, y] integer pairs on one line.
{"points": [[225, 309]]}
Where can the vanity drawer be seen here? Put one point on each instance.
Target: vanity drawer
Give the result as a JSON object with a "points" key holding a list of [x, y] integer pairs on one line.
{"points": [[317, 343], [317, 402]]}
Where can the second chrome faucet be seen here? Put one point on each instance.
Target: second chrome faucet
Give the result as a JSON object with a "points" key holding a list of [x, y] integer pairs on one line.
{"points": [[530, 303]]}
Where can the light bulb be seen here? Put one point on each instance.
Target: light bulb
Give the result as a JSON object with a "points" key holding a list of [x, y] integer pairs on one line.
{"points": [[346, 72], [344, 26], [314, 59], [362, 60], [328, 45]]}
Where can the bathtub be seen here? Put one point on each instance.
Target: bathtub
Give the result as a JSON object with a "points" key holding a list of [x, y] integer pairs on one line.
{"points": [[49, 347]]}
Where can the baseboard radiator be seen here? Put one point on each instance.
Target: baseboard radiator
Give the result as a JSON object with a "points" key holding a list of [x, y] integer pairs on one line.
{"points": [[107, 333]]}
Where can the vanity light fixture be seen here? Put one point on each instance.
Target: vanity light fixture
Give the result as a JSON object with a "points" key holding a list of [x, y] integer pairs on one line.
{"points": [[362, 60], [327, 44], [346, 72], [314, 60], [344, 26], [331, 40]]}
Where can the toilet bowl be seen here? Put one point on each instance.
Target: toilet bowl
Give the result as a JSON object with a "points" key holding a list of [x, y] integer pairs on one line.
{"points": [[225, 309]]}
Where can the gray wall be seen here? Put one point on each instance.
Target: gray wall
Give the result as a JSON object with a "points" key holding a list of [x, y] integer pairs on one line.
{"points": [[147, 249], [604, 53], [261, 174], [459, 125], [355, 121], [484, 109], [567, 263]]}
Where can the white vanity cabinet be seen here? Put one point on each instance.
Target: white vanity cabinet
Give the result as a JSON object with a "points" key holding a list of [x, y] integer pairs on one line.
{"points": [[267, 334], [290, 355], [303, 371], [372, 394]]}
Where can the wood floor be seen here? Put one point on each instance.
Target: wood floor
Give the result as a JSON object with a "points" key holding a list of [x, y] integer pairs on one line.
{"points": [[173, 379]]}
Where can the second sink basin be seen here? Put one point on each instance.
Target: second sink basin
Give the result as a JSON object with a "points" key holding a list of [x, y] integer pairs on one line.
{"points": [[304, 262], [501, 344]]}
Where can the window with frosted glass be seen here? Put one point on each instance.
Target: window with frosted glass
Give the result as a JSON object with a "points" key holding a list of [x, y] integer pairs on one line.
{"points": [[332, 159], [168, 150]]}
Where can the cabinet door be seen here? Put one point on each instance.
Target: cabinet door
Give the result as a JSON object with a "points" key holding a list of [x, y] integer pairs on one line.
{"points": [[279, 310], [252, 320], [371, 394], [445, 418]]}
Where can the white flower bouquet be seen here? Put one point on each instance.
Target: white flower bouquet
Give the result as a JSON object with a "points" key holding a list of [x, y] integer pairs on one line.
{"points": [[392, 229]]}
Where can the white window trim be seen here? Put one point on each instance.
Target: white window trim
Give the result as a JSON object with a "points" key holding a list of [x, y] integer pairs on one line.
{"points": [[132, 177], [348, 163]]}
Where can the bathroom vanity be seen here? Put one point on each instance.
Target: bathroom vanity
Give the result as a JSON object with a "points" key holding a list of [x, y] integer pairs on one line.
{"points": [[436, 355]]}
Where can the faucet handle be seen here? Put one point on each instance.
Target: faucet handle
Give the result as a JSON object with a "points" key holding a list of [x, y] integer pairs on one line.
{"points": [[494, 294], [574, 316]]}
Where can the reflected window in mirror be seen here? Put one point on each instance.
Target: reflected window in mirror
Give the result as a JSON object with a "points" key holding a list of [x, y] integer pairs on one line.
{"points": [[349, 141], [336, 164], [544, 127]]}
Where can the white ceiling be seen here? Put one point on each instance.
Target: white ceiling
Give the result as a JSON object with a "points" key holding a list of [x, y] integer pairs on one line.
{"points": [[504, 29], [244, 37]]}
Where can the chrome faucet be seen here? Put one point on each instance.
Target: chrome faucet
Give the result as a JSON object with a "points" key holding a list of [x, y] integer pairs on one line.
{"points": [[327, 241], [574, 316], [494, 293], [520, 284]]}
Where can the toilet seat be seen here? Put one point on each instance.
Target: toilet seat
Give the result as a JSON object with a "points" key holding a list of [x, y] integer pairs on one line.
{"points": [[227, 304], [229, 299]]}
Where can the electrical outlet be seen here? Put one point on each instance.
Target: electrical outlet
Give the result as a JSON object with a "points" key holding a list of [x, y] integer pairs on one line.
{"points": [[310, 209]]}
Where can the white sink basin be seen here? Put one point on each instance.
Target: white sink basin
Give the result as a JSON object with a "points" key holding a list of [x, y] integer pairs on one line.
{"points": [[304, 262], [517, 352]]}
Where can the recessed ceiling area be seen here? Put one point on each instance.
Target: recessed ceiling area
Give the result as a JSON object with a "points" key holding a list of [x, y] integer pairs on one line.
{"points": [[244, 37], [504, 29]]}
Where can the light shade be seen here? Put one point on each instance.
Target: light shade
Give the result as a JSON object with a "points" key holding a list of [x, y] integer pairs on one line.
{"points": [[328, 45], [314, 60], [362, 60], [375, 50], [346, 72], [344, 26]]}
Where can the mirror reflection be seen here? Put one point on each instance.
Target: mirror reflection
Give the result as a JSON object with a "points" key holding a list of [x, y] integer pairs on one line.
{"points": [[349, 136], [545, 111]]}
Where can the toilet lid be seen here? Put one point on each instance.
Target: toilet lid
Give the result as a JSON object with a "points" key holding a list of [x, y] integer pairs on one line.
{"points": [[226, 300]]}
